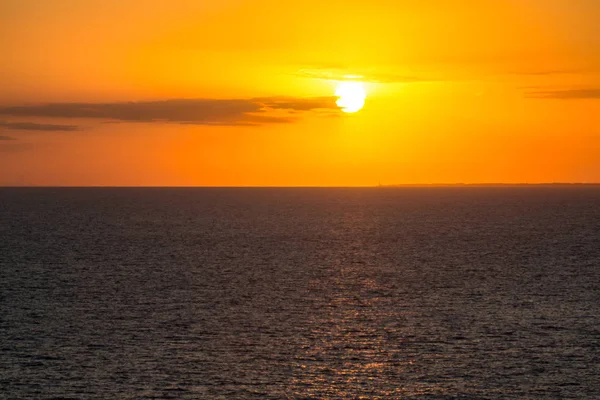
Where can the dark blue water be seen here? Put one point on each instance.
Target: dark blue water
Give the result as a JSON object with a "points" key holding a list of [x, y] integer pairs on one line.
{"points": [[431, 293]]}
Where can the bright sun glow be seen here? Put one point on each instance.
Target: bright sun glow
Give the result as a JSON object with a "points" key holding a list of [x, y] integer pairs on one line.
{"points": [[351, 95]]}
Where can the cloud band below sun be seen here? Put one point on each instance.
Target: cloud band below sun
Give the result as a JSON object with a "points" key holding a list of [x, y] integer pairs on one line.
{"points": [[32, 126], [232, 112]]}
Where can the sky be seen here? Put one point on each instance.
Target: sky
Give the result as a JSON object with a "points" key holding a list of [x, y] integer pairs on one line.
{"points": [[242, 92]]}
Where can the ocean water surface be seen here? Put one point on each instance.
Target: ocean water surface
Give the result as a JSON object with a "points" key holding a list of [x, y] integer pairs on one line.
{"points": [[375, 293]]}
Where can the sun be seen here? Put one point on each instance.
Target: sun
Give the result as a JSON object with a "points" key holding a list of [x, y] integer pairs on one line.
{"points": [[351, 96]]}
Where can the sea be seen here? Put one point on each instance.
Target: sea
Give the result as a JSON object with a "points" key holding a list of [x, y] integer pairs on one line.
{"points": [[300, 293]]}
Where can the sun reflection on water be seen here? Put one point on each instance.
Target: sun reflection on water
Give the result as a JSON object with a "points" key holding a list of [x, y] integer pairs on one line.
{"points": [[355, 343]]}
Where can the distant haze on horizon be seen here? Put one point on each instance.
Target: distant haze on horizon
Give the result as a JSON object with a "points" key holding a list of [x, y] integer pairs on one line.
{"points": [[242, 93]]}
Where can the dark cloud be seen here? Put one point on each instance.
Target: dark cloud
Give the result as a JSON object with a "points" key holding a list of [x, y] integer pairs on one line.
{"points": [[6, 138], [565, 94], [188, 111], [32, 126]]}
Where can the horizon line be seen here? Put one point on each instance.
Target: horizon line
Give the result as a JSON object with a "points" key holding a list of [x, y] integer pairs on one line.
{"points": [[378, 186]]}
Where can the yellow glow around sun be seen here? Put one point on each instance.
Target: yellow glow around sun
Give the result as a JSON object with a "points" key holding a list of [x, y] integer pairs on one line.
{"points": [[351, 95]]}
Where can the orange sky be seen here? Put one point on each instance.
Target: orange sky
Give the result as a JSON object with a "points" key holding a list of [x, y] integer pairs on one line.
{"points": [[240, 92]]}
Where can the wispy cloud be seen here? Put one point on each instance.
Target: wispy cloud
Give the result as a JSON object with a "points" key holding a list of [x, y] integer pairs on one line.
{"points": [[406, 75], [300, 104], [565, 94], [32, 126], [341, 74], [548, 72], [6, 138], [187, 111]]}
